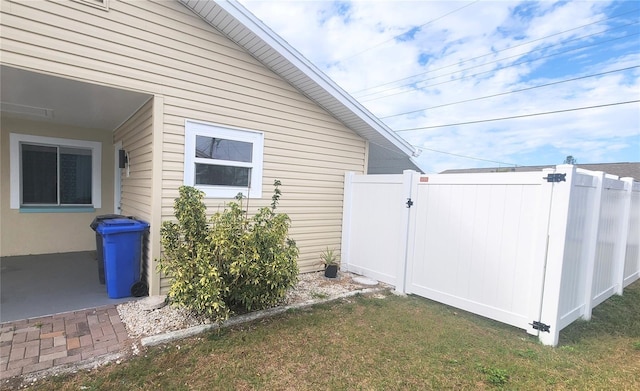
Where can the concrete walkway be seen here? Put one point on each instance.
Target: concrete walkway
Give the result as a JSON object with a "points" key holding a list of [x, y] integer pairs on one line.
{"points": [[40, 285], [70, 338]]}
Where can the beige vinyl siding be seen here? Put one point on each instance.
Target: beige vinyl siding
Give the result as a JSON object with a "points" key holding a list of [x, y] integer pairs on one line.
{"points": [[161, 48], [137, 140], [136, 189]]}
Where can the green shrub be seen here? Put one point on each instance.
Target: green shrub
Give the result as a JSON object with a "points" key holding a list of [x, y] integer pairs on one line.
{"points": [[247, 263], [258, 260], [188, 258]]}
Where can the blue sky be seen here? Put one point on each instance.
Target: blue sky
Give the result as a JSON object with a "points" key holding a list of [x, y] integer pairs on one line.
{"points": [[425, 66]]}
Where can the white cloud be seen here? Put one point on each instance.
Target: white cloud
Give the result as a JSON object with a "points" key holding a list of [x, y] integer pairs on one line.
{"points": [[353, 42]]}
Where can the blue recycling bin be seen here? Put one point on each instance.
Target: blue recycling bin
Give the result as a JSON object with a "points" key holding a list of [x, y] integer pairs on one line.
{"points": [[122, 254]]}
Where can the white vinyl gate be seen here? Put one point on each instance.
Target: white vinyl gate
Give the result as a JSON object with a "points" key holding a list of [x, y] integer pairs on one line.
{"points": [[514, 247]]}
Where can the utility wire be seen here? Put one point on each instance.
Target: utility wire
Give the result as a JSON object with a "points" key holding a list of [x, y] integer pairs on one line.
{"points": [[465, 156], [405, 32], [511, 92], [493, 70], [519, 116], [495, 52], [502, 59]]}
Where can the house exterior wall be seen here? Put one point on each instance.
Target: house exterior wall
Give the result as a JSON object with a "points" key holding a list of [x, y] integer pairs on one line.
{"points": [[161, 48], [136, 191], [41, 233], [136, 138]]}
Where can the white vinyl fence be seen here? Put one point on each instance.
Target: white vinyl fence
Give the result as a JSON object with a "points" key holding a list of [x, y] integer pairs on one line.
{"points": [[536, 250]]}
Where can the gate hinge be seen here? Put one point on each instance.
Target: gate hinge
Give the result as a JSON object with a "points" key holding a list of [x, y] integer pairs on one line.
{"points": [[409, 203], [540, 326], [556, 177]]}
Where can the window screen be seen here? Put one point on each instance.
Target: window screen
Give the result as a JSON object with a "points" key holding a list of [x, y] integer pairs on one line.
{"points": [[56, 175]]}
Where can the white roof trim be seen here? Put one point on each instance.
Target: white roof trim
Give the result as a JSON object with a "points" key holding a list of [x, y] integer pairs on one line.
{"points": [[252, 34]]}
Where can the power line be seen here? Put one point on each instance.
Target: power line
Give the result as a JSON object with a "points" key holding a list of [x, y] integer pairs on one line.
{"points": [[405, 32], [465, 156], [498, 51], [496, 69], [519, 116], [511, 92]]}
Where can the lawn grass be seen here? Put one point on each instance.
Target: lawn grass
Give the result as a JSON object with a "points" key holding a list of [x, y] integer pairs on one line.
{"points": [[395, 343]]}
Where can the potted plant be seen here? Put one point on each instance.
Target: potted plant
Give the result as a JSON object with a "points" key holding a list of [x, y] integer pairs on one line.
{"points": [[330, 261]]}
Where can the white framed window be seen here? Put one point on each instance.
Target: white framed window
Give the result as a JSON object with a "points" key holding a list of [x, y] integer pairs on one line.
{"points": [[54, 172], [222, 161]]}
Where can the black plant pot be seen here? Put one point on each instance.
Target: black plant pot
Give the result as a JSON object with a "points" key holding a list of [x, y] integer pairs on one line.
{"points": [[331, 271]]}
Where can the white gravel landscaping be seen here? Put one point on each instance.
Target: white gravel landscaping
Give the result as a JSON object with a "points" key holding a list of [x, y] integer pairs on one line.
{"points": [[142, 322]]}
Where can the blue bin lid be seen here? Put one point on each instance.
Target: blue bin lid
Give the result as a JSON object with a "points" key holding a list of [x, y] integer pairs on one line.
{"points": [[111, 226]]}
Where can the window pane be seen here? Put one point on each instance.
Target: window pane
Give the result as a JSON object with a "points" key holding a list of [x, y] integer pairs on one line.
{"points": [[75, 176], [39, 174], [217, 148], [222, 175]]}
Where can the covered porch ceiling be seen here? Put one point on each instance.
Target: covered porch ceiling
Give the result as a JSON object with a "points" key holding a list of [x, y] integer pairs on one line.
{"points": [[42, 97]]}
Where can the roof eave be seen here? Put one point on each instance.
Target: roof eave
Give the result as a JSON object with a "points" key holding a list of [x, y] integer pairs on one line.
{"points": [[358, 118]]}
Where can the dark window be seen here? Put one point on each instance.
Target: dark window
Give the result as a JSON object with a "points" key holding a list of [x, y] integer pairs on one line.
{"points": [[39, 174], [222, 175], [213, 171], [221, 149], [53, 175]]}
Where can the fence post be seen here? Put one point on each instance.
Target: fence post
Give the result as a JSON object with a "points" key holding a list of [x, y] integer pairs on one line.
{"points": [[619, 254], [590, 243], [541, 241], [346, 221], [559, 212], [409, 180]]}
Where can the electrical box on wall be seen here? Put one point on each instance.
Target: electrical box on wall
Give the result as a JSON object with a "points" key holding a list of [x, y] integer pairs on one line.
{"points": [[122, 158]]}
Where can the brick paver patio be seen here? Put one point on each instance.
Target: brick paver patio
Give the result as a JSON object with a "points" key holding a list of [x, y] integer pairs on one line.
{"points": [[32, 345]]}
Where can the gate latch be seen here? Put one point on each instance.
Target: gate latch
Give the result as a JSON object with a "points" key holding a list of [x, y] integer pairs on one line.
{"points": [[556, 178], [409, 203], [540, 326]]}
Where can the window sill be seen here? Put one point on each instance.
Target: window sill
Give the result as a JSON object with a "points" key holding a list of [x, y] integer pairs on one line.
{"points": [[57, 209], [221, 192]]}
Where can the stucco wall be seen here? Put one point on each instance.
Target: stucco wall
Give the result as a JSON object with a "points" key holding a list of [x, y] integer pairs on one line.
{"points": [[41, 233]]}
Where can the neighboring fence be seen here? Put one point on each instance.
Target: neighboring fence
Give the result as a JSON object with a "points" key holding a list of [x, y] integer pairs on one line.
{"points": [[515, 247]]}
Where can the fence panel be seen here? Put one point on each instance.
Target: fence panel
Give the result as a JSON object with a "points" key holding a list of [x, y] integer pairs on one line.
{"points": [[373, 237], [475, 243], [509, 246], [579, 226], [632, 249], [609, 237], [586, 254]]}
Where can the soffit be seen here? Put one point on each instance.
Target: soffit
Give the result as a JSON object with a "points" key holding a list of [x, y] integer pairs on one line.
{"points": [[41, 97]]}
